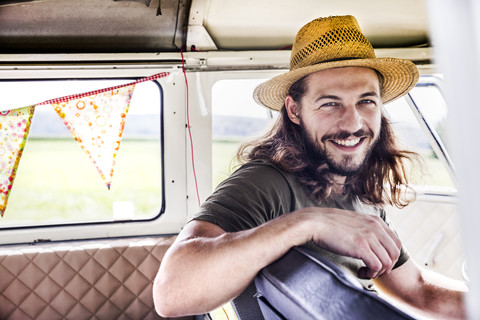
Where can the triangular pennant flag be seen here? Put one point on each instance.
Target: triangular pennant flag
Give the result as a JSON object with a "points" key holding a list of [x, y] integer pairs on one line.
{"points": [[96, 122], [14, 127]]}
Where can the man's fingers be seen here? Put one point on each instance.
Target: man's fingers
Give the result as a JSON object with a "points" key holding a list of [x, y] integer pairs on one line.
{"points": [[392, 245], [386, 258], [392, 235], [372, 268], [380, 252]]}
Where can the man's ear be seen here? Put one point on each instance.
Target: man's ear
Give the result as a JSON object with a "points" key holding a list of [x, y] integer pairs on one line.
{"points": [[292, 110]]}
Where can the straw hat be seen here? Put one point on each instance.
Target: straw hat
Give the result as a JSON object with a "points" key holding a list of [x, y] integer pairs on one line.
{"points": [[335, 42]]}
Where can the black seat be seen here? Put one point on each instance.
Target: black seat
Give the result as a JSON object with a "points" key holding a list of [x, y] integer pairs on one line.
{"points": [[304, 285]]}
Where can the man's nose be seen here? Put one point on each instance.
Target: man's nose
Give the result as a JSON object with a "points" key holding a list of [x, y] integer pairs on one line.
{"points": [[351, 120]]}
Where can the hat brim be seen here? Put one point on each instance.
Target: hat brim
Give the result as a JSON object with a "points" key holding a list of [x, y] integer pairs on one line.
{"points": [[400, 76]]}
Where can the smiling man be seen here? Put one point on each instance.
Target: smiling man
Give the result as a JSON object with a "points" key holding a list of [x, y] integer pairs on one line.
{"points": [[320, 178], [339, 119]]}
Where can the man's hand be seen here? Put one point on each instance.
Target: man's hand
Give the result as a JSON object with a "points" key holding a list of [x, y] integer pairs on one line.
{"points": [[356, 235]]}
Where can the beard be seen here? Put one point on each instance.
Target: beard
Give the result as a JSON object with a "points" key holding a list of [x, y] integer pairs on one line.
{"points": [[319, 155]]}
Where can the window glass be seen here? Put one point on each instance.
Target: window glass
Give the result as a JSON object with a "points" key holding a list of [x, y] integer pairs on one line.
{"points": [[429, 101], [235, 120], [57, 183]]}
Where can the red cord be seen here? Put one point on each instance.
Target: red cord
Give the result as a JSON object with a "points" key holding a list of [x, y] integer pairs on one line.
{"points": [[191, 143], [189, 129]]}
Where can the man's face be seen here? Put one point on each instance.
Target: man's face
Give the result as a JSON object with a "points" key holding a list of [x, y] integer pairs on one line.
{"points": [[340, 116]]}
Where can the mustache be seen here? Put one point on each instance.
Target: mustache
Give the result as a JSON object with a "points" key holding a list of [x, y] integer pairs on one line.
{"points": [[342, 135]]}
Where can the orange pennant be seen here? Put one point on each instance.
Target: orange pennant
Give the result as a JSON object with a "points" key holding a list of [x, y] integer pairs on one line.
{"points": [[97, 122]]}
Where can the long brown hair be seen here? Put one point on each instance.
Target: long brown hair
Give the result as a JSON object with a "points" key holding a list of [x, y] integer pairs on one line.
{"points": [[383, 180]]}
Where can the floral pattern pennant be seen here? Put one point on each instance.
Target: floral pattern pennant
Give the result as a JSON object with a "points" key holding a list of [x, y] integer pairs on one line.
{"points": [[14, 128], [97, 122]]}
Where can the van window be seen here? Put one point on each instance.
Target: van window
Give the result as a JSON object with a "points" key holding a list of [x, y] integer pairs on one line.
{"points": [[235, 120], [56, 181], [432, 107]]}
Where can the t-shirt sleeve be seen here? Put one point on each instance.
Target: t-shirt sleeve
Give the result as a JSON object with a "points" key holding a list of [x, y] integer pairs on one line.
{"points": [[251, 196]]}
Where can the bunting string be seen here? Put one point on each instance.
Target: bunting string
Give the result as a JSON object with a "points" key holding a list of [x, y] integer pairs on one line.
{"points": [[95, 92], [95, 119]]}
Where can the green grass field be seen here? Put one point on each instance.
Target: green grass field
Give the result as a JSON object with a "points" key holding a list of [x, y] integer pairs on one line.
{"points": [[56, 182]]}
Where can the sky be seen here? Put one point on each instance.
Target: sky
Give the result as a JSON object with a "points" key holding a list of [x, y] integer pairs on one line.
{"points": [[19, 94]]}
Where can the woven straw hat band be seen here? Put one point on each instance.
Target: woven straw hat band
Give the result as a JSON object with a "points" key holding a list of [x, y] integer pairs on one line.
{"points": [[326, 39]]}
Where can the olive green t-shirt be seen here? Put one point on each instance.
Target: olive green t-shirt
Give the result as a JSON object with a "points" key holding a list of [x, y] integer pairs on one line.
{"points": [[259, 191]]}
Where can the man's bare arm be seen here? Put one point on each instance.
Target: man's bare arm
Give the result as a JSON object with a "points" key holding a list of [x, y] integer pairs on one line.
{"points": [[207, 266], [431, 293]]}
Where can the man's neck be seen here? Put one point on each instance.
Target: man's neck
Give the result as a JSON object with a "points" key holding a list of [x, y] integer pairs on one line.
{"points": [[338, 184]]}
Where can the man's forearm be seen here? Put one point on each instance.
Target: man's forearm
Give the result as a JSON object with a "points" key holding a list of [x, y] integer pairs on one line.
{"points": [[429, 292], [442, 296], [202, 272]]}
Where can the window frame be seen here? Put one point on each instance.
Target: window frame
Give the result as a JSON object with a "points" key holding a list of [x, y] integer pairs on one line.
{"points": [[172, 154], [162, 154], [435, 140]]}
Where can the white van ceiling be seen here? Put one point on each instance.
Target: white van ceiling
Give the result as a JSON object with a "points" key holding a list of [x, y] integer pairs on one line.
{"points": [[273, 24], [64, 26]]}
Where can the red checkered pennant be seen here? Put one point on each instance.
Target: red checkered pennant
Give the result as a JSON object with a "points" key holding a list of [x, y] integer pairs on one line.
{"points": [[14, 128]]}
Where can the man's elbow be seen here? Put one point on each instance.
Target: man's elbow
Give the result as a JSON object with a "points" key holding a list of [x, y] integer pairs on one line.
{"points": [[163, 309], [163, 301]]}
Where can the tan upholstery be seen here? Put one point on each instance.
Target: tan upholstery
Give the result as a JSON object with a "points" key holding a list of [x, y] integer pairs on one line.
{"points": [[430, 230], [102, 279]]}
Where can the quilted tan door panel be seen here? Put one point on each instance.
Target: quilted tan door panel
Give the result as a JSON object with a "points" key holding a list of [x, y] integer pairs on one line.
{"points": [[107, 279]]}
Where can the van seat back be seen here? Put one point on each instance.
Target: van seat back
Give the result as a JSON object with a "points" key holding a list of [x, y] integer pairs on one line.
{"points": [[101, 279]]}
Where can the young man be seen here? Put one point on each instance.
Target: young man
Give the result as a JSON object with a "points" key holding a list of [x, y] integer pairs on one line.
{"points": [[321, 176]]}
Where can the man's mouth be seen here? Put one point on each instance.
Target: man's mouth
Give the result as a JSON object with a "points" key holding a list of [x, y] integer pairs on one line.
{"points": [[347, 142]]}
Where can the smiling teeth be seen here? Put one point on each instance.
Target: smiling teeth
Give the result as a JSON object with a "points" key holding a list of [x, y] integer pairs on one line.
{"points": [[347, 143]]}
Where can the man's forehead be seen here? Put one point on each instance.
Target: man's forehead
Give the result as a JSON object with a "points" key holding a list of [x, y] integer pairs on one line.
{"points": [[360, 78]]}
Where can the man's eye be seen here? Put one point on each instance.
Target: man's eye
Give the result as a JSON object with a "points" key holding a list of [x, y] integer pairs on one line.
{"points": [[367, 101], [329, 104]]}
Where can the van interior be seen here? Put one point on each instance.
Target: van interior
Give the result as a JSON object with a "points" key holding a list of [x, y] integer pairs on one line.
{"points": [[84, 227]]}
